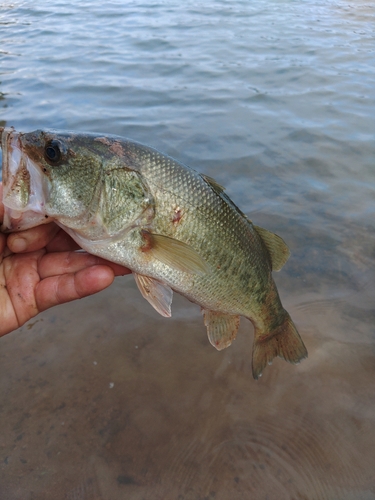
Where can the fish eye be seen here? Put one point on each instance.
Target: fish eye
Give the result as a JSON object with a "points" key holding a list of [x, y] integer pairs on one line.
{"points": [[52, 151]]}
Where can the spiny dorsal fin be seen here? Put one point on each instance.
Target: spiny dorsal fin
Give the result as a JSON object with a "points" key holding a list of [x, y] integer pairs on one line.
{"points": [[276, 246], [218, 188], [174, 253]]}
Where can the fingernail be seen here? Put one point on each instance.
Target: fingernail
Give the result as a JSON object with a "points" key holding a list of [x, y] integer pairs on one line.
{"points": [[19, 245]]}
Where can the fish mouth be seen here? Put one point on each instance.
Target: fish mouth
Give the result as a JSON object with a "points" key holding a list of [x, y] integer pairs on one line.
{"points": [[23, 197]]}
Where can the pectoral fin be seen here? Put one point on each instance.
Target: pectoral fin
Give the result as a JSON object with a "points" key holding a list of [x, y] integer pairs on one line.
{"points": [[174, 253], [276, 246], [221, 328], [159, 295]]}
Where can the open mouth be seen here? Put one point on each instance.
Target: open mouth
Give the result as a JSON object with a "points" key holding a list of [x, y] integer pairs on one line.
{"points": [[22, 186]]}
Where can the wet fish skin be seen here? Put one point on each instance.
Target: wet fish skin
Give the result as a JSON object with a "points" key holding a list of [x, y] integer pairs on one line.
{"points": [[175, 228]]}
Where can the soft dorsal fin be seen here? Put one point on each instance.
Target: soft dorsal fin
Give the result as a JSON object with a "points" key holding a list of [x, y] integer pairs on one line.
{"points": [[218, 188], [276, 246]]}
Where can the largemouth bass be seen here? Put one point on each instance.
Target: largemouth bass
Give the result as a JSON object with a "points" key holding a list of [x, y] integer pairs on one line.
{"points": [[175, 228]]}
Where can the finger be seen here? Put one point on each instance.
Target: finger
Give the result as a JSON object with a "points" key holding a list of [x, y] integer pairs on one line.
{"points": [[21, 277], [3, 241], [67, 287], [32, 239], [116, 268], [57, 263], [1, 203], [62, 242]]}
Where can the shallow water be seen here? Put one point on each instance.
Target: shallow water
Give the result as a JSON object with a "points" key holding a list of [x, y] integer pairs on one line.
{"points": [[104, 399]]}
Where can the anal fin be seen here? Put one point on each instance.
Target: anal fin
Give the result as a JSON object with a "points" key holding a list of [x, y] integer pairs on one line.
{"points": [[221, 328], [156, 293]]}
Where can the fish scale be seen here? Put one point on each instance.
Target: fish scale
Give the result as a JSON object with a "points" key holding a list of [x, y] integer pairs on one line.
{"points": [[173, 227]]}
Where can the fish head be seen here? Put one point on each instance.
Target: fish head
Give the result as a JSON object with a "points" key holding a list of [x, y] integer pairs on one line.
{"points": [[48, 176]]}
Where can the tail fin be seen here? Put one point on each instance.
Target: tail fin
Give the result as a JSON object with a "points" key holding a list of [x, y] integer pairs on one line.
{"points": [[284, 342]]}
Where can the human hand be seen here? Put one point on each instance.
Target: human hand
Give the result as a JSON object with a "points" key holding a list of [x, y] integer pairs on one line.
{"points": [[39, 269]]}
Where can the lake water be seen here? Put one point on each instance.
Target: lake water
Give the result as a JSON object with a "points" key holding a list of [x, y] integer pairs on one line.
{"points": [[102, 398]]}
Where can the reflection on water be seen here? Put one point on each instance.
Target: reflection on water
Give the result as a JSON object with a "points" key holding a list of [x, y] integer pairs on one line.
{"points": [[103, 398]]}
